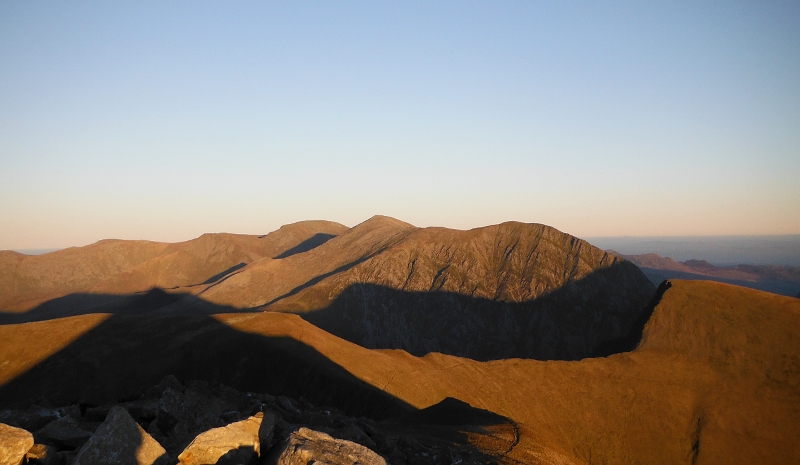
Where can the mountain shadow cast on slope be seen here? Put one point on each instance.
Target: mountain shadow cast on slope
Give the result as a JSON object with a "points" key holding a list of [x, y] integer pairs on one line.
{"points": [[585, 318], [123, 355], [222, 274], [579, 320], [152, 302], [312, 242], [120, 358]]}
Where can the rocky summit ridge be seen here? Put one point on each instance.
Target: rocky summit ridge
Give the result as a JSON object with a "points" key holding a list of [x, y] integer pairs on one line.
{"points": [[198, 424]]}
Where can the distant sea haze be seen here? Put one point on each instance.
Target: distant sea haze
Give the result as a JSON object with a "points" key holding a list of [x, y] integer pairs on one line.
{"points": [[717, 250], [35, 251]]}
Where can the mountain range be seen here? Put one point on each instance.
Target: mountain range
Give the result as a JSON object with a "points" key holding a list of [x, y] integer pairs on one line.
{"points": [[779, 279], [574, 350]]}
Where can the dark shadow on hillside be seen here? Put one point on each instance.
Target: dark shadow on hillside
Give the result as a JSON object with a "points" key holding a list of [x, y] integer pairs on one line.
{"points": [[312, 242], [591, 317], [225, 273], [576, 321], [317, 280], [126, 354], [631, 340], [155, 301], [451, 421]]}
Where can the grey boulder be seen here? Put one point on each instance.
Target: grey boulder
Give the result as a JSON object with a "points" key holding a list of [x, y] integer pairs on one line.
{"points": [[63, 433], [120, 441]]}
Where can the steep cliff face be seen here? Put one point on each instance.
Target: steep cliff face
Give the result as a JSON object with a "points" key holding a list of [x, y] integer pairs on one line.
{"points": [[510, 290]]}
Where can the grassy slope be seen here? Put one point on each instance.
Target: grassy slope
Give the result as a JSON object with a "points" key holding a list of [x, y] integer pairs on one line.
{"points": [[716, 379], [121, 267]]}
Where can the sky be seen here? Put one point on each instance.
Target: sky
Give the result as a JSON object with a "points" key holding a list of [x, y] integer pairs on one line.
{"points": [[166, 120]]}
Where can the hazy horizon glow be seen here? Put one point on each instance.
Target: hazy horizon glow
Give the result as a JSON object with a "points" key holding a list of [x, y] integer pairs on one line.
{"points": [[143, 120]]}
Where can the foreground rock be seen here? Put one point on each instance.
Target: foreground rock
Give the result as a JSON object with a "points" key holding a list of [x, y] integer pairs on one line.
{"points": [[14, 444], [216, 424], [63, 433], [238, 443], [307, 446], [41, 454], [31, 419], [120, 441]]}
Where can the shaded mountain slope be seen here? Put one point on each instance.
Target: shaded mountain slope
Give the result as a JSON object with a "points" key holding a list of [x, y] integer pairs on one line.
{"points": [[117, 266], [509, 290], [715, 379]]}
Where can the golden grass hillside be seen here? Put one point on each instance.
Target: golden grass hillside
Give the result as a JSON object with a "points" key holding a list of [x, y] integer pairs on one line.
{"points": [[714, 380]]}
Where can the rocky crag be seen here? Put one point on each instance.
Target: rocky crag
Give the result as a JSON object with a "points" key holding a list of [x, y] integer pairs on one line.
{"points": [[197, 424]]}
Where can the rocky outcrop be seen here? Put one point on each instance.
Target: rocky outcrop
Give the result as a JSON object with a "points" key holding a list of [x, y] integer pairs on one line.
{"points": [[238, 443], [120, 441], [307, 446], [32, 418], [41, 454], [63, 432], [255, 428], [14, 444]]}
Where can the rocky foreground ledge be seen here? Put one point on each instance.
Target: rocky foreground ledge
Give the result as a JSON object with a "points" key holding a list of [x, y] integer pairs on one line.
{"points": [[197, 424]]}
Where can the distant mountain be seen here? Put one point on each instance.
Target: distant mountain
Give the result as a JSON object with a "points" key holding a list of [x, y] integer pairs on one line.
{"points": [[779, 279], [123, 267], [509, 290]]}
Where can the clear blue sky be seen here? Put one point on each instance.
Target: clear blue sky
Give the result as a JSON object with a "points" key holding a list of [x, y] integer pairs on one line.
{"points": [[165, 120]]}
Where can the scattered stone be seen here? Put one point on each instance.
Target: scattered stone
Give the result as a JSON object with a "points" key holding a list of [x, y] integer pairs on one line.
{"points": [[354, 433], [168, 382], [287, 404], [203, 411], [171, 410], [306, 446], [197, 408], [67, 456], [41, 454], [73, 411], [96, 413], [63, 433], [239, 443], [120, 441], [142, 410], [231, 416], [32, 418], [14, 444]]}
